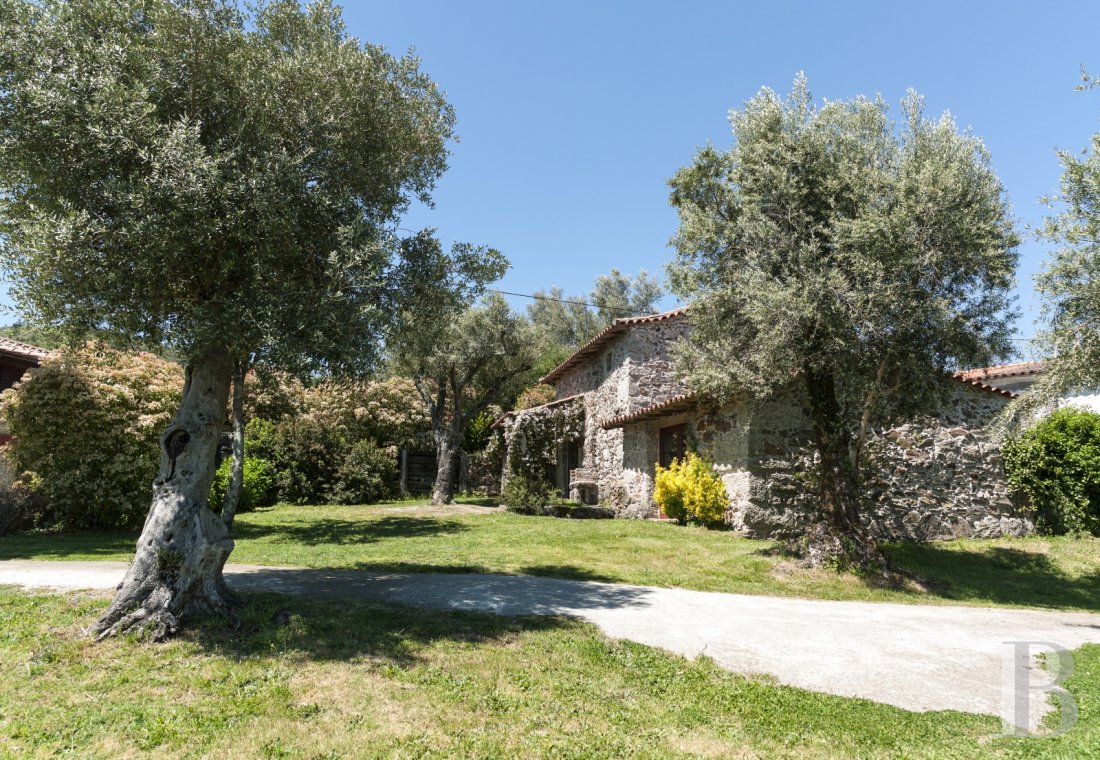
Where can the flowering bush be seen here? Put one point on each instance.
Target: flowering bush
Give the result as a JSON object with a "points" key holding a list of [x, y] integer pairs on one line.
{"points": [[536, 395], [535, 436], [690, 490], [1056, 464], [86, 427], [390, 412]]}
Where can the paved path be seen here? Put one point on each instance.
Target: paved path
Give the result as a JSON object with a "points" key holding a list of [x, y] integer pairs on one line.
{"points": [[919, 657]]}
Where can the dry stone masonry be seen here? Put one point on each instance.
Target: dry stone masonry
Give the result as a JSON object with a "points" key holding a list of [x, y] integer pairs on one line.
{"points": [[935, 478]]}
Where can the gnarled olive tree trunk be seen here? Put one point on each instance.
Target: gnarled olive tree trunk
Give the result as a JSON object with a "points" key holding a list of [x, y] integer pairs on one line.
{"points": [[183, 547], [839, 539], [447, 445]]}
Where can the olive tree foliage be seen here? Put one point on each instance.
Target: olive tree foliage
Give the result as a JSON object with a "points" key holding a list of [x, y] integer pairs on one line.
{"points": [[225, 182], [856, 257], [616, 295], [571, 321], [1069, 285], [462, 356]]}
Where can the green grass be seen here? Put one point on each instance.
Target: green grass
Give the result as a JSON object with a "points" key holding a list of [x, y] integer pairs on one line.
{"points": [[359, 680], [1034, 572]]}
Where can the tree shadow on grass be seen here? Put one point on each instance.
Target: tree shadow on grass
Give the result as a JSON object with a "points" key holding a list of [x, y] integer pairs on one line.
{"points": [[331, 531], [369, 632], [351, 614], [999, 574], [569, 572]]}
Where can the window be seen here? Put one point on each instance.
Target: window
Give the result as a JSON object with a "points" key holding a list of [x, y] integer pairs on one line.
{"points": [[670, 444]]}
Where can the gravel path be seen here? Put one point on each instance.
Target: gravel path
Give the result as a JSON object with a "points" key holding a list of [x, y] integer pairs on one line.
{"points": [[919, 657]]}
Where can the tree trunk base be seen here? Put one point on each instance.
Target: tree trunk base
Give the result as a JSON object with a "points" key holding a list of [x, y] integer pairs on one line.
{"points": [[177, 572], [825, 546], [177, 569]]}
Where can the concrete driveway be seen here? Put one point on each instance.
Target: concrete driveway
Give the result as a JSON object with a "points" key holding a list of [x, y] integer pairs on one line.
{"points": [[918, 657]]}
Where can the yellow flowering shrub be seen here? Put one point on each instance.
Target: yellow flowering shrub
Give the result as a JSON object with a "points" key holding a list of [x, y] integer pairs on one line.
{"points": [[689, 490]]}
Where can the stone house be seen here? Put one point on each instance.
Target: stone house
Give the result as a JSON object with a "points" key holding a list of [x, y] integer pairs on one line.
{"points": [[942, 476]]}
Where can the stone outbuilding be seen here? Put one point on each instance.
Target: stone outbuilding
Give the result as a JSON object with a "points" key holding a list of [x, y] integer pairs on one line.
{"points": [[940, 476]]}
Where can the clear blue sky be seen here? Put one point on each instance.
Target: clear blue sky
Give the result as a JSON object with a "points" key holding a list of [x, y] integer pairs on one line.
{"points": [[573, 115]]}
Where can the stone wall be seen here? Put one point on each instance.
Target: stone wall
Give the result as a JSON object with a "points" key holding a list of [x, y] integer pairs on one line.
{"points": [[934, 478]]}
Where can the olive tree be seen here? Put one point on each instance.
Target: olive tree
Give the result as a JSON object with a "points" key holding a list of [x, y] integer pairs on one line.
{"points": [[859, 259], [1069, 285], [462, 356], [569, 321], [220, 181]]}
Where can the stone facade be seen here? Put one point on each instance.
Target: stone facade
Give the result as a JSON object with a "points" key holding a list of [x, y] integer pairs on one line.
{"points": [[934, 478], [938, 477], [631, 371]]}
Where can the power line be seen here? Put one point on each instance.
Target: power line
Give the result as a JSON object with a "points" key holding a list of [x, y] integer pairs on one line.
{"points": [[625, 312]]}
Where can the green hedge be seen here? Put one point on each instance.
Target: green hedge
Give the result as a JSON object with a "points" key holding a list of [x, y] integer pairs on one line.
{"points": [[257, 485], [1056, 464]]}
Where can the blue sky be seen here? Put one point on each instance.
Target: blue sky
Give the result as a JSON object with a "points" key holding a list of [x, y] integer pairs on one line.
{"points": [[573, 115]]}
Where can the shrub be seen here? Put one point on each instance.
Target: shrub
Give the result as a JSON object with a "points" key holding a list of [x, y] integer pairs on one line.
{"points": [[1056, 464], [367, 475], [389, 412], [257, 485], [19, 506], [305, 453], [86, 427], [690, 490], [536, 395], [526, 495]]}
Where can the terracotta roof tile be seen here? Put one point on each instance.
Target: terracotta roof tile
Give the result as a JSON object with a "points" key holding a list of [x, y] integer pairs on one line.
{"points": [[983, 386], [22, 350], [1020, 369], [669, 406]]}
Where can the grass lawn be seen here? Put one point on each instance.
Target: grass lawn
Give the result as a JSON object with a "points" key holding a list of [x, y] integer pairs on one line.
{"points": [[359, 680], [407, 538]]}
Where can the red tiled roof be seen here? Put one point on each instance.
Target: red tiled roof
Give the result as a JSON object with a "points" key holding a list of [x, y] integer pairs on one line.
{"points": [[983, 386], [22, 350], [557, 402], [673, 405], [1020, 369], [613, 329]]}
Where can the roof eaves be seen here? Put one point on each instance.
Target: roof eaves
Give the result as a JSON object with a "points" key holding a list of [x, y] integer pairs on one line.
{"points": [[22, 350], [672, 405], [983, 386]]}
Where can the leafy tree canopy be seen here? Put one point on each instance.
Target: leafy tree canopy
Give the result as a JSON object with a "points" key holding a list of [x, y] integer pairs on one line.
{"points": [[833, 247], [188, 172], [829, 239], [573, 320], [1070, 282]]}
